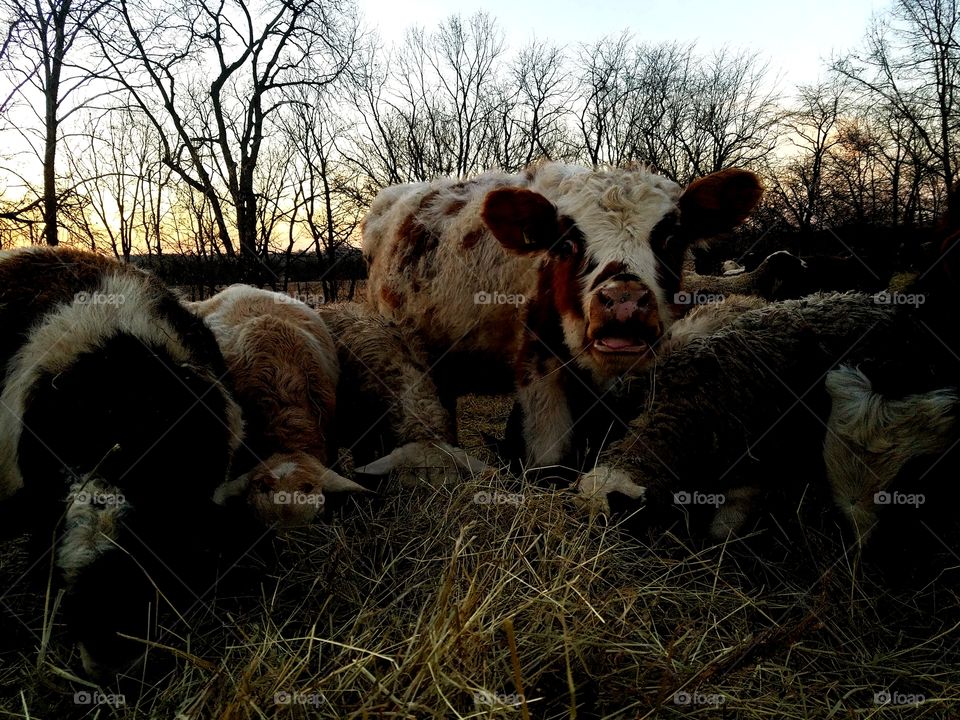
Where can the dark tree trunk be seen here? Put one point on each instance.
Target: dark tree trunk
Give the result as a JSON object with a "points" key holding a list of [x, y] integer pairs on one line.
{"points": [[53, 69]]}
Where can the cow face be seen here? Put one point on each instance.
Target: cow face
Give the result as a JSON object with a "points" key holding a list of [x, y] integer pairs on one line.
{"points": [[613, 245]]}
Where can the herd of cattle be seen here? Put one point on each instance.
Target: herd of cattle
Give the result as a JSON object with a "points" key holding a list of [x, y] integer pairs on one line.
{"points": [[715, 399]]}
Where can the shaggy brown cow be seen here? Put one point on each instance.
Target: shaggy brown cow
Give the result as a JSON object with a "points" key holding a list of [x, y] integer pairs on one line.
{"points": [[284, 368], [390, 415], [310, 382], [563, 276], [740, 416], [878, 432]]}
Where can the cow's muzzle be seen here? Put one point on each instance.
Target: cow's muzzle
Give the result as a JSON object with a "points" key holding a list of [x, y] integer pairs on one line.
{"points": [[623, 318]]}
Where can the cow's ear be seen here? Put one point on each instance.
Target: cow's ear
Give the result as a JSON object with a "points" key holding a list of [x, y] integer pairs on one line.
{"points": [[522, 220], [719, 202]]}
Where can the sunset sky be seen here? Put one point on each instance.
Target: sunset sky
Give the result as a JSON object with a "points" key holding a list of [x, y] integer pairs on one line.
{"points": [[794, 36]]}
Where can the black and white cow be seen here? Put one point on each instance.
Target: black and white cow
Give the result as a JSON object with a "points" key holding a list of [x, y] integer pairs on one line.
{"points": [[115, 429]]}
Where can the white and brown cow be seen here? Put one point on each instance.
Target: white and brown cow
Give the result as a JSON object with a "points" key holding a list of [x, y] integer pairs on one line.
{"points": [[561, 278]]}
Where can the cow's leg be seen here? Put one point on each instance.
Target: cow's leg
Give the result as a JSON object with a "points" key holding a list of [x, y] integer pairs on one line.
{"points": [[547, 421], [111, 606], [448, 400]]}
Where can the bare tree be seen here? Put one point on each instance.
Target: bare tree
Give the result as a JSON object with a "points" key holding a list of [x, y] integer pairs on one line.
{"points": [[734, 113], [911, 63], [40, 54], [664, 105], [328, 205], [111, 157], [462, 59], [609, 72], [810, 129], [906, 161], [275, 172], [431, 108], [212, 78], [543, 97]]}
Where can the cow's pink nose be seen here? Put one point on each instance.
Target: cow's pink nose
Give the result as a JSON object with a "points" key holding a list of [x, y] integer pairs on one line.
{"points": [[624, 300]]}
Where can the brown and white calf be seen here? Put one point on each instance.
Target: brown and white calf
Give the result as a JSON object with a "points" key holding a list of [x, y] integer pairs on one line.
{"points": [[561, 279], [283, 364], [312, 381]]}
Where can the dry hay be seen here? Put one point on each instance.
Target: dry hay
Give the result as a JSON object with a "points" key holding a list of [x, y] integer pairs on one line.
{"points": [[495, 599]]}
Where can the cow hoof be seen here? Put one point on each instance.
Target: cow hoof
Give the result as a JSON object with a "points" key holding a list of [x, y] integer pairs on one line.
{"points": [[733, 513], [593, 489], [437, 463]]}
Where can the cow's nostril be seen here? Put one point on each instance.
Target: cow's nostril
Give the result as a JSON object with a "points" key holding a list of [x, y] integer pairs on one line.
{"points": [[620, 299]]}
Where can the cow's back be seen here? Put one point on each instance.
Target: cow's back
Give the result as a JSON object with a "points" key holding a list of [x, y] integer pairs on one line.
{"points": [[434, 266]]}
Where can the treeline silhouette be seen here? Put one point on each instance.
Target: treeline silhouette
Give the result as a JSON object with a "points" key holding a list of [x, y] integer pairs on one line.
{"points": [[167, 129]]}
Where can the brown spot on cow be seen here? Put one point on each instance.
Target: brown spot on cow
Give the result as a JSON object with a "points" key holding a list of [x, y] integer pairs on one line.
{"points": [[391, 297], [414, 239], [564, 286], [471, 239], [454, 208]]}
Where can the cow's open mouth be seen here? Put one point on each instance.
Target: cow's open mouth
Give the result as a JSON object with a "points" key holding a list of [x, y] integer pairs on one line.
{"points": [[620, 345], [624, 339]]}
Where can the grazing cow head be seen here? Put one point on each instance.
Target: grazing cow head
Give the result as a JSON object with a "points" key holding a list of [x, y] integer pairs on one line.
{"points": [[288, 489], [613, 244]]}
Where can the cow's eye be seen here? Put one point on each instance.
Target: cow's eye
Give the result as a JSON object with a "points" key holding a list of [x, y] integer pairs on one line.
{"points": [[570, 239], [569, 247]]}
